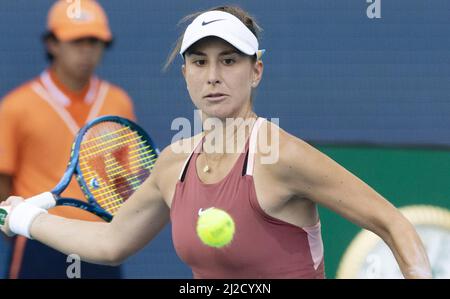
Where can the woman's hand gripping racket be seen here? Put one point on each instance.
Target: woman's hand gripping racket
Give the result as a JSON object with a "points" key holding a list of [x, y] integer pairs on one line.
{"points": [[111, 157]]}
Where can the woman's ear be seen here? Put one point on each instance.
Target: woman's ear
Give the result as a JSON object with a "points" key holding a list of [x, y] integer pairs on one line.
{"points": [[257, 73]]}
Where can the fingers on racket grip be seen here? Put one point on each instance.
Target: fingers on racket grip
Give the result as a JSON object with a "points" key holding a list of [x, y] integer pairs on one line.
{"points": [[4, 211], [44, 200], [5, 208]]}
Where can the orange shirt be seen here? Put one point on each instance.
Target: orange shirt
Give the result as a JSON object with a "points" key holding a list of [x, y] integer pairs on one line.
{"points": [[38, 123]]}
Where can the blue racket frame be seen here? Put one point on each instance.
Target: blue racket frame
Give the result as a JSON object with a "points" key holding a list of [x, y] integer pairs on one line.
{"points": [[73, 168]]}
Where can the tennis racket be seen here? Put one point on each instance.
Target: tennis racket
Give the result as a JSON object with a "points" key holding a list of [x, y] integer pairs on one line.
{"points": [[110, 158]]}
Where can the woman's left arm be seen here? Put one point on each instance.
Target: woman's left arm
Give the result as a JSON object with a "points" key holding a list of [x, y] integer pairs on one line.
{"points": [[315, 176]]}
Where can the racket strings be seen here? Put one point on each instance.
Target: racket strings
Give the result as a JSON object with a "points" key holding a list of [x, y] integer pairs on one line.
{"points": [[147, 159], [135, 178], [121, 186], [103, 195], [113, 143], [113, 172], [114, 161], [104, 136], [119, 190], [144, 160]]}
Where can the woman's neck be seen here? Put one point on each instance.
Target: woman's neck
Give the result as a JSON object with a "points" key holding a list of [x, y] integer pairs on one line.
{"points": [[227, 135]]}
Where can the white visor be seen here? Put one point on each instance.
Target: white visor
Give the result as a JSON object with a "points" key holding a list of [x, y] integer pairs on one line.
{"points": [[223, 25]]}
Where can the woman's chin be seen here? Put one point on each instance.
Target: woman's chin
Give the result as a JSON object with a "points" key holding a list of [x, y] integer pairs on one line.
{"points": [[218, 113]]}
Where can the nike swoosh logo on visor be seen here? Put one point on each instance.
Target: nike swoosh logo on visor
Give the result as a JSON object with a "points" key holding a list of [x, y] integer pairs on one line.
{"points": [[206, 23]]}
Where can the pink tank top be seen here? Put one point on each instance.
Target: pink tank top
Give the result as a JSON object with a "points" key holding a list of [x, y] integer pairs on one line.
{"points": [[262, 247]]}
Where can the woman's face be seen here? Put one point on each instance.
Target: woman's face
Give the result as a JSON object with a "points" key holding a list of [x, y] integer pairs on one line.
{"points": [[220, 79]]}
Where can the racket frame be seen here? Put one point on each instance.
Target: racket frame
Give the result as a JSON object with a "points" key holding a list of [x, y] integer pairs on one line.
{"points": [[73, 167]]}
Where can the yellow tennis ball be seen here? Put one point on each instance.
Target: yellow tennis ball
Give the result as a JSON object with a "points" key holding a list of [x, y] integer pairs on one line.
{"points": [[215, 227]]}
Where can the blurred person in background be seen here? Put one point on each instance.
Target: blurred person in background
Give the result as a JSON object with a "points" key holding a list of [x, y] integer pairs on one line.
{"points": [[40, 119]]}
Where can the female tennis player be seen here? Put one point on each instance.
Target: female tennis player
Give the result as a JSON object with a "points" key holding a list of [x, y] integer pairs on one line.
{"points": [[273, 204]]}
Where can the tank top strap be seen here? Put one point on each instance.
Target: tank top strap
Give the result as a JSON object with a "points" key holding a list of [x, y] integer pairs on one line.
{"points": [[186, 163], [248, 163], [250, 157]]}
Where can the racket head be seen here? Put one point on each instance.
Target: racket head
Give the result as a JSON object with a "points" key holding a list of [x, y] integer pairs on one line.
{"points": [[114, 156]]}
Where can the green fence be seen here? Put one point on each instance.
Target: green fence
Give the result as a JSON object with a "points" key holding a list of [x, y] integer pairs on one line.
{"points": [[403, 176]]}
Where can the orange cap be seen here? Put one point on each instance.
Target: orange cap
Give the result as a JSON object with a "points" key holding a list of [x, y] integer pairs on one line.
{"points": [[74, 19]]}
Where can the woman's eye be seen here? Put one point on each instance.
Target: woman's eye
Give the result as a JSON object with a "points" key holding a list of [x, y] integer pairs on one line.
{"points": [[228, 61], [200, 62]]}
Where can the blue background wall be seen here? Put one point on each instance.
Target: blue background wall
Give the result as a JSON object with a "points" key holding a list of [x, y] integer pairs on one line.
{"points": [[332, 76], [331, 73]]}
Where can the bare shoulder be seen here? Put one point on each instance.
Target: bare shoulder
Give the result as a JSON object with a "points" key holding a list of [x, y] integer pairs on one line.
{"points": [[178, 151], [287, 158], [171, 161], [283, 147], [294, 150]]}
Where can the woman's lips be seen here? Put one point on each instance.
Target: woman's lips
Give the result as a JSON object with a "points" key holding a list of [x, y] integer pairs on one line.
{"points": [[216, 97]]}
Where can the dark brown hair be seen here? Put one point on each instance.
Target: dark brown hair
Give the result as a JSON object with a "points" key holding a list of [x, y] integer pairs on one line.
{"points": [[236, 11], [50, 36]]}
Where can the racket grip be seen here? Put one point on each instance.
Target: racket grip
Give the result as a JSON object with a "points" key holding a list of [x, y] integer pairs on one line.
{"points": [[44, 200], [4, 211]]}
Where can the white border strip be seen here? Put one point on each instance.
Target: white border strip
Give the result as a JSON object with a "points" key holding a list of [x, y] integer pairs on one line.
{"points": [[252, 146], [63, 113]]}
